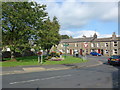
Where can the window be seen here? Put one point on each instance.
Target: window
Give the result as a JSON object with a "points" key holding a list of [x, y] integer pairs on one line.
{"points": [[114, 51], [115, 43], [68, 51], [76, 45], [92, 44], [106, 44], [98, 44], [92, 50], [106, 51]]}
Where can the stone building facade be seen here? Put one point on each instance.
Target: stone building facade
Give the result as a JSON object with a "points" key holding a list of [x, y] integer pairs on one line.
{"points": [[105, 46]]}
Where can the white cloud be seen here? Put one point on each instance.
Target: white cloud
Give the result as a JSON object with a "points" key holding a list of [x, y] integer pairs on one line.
{"points": [[100, 0], [87, 33], [75, 13], [77, 0], [66, 32], [111, 15]]}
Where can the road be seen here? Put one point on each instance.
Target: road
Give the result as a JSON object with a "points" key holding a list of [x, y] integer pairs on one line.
{"points": [[102, 76]]}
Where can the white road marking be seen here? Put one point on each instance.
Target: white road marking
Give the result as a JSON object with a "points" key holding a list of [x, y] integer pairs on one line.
{"points": [[39, 79]]}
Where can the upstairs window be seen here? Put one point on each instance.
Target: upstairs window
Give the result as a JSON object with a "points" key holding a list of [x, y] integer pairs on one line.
{"points": [[115, 43], [115, 51], [76, 45], [106, 44], [106, 51], [92, 44], [98, 44]]}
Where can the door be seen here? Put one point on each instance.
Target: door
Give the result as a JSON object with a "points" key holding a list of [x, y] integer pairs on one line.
{"points": [[70, 51], [81, 51], [102, 51], [98, 50]]}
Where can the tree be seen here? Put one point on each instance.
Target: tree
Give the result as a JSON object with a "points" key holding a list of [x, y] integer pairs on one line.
{"points": [[19, 22], [25, 21], [65, 37], [49, 35]]}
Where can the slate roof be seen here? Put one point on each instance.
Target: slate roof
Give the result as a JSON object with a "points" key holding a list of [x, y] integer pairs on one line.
{"points": [[89, 39]]}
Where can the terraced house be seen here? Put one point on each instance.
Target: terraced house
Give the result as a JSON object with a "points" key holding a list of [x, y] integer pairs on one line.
{"points": [[85, 45]]}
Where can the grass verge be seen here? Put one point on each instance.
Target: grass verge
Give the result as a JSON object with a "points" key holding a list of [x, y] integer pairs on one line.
{"points": [[32, 60]]}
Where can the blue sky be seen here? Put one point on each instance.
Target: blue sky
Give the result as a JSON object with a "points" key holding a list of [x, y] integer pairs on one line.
{"points": [[83, 17]]}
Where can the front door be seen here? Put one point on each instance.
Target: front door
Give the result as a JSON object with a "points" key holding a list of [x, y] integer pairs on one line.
{"points": [[70, 51], [98, 50], [102, 51], [81, 51]]}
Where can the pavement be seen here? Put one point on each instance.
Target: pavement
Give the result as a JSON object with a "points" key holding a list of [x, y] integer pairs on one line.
{"points": [[92, 61]]}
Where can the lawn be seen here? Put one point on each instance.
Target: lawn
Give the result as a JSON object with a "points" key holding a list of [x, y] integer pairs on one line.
{"points": [[32, 60]]}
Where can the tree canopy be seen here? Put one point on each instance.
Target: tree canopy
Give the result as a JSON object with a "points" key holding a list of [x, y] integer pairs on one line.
{"points": [[24, 21], [65, 37]]}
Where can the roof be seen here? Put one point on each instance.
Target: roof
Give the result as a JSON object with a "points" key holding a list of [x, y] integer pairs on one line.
{"points": [[89, 39], [76, 40]]}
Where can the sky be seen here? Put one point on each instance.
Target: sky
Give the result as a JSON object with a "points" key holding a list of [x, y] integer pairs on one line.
{"points": [[84, 17]]}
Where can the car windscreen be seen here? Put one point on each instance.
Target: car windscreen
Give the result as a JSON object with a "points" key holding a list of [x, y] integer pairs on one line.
{"points": [[116, 57]]}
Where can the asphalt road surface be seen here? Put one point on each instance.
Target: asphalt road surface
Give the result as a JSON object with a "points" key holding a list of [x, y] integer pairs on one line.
{"points": [[102, 76]]}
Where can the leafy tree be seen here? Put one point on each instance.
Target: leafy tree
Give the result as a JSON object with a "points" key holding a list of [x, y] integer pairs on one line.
{"points": [[49, 35], [19, 22], [25, 21], [65, 37]]}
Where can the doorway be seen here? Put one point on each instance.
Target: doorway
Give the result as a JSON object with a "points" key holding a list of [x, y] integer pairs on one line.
{"points": [[70, 51], [98, 50], [81, 51], [102, 51]]}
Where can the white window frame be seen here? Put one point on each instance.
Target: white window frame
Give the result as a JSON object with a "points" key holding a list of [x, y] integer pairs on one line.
{"points": [[115, 43], [76, 45], [106, 51], [115, 51], [106, 44], [98, 44], [92, 45]]}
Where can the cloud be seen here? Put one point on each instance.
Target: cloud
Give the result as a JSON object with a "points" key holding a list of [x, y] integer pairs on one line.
{"points": [[100, 0], [66, 32], [111, 15], [87, 33], [77, 13], [77, 0], [78, 34]]}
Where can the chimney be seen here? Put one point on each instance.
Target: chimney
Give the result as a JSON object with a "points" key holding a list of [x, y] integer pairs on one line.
{"points": [[113, 35], [84, 36], [95, 36]]}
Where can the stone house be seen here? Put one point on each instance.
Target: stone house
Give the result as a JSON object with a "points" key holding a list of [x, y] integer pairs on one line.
{"points": [[85, 45]]}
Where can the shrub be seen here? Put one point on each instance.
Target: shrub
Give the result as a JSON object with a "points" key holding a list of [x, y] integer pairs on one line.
{"points": [[6, 54], [28, 53]]}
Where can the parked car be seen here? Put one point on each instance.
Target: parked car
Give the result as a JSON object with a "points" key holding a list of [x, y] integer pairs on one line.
{"points": [[95, 54], [115, 59]]}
